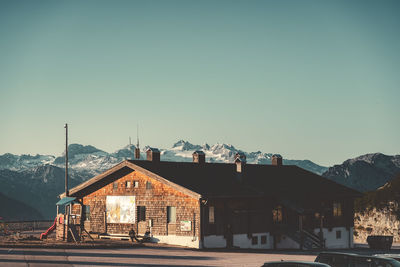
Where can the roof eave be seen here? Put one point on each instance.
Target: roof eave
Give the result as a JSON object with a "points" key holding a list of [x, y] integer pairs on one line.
{"points": [[79, 188]]}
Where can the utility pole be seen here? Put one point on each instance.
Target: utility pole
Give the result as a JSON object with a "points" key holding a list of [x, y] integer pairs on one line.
{"points": [[66, 160]]}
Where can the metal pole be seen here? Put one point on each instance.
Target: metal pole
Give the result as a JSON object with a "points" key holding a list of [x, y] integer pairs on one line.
{"points": [[66, 160]]}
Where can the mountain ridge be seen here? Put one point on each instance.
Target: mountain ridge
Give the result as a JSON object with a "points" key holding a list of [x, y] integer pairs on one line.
{"points": [[366, 172]]}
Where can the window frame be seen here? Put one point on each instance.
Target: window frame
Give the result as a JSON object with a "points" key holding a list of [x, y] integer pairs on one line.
{"points": [[337, 209], [141, 213], [86, 212], [211, 214], [171, 214]]}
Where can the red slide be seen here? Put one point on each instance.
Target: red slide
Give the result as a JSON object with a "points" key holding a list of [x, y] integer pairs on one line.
{"points": [[49, 231]]}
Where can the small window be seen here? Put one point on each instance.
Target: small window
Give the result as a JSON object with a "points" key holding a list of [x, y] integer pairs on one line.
{"points": [[337, 209], [86, 212], [171, 214], [115, 185], [211, 218], [338, 234], [148, 185], [254, 240], [141, 213], [277, 214], [135, 184], [263, 239], [128, 184]]}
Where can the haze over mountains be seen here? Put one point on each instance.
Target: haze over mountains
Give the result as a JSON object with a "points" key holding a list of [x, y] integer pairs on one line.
{"points": [[38, 180]]}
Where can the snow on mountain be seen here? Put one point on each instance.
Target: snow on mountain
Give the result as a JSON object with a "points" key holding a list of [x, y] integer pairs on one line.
{"points": [[90, 160], [22, 162]]}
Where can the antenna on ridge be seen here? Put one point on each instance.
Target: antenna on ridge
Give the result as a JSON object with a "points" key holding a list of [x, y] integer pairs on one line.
{"points": [[130, 143], [137, 149]]}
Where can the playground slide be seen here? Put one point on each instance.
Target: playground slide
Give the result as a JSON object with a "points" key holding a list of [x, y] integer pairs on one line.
{"points": [[49, 231]]}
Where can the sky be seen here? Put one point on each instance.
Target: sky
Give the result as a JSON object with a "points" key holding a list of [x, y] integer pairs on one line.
{"points": [[314, 80]]}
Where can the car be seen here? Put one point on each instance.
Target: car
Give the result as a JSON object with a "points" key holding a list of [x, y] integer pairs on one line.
{"points": [[392, 256], [294, 264], [336, 259]]}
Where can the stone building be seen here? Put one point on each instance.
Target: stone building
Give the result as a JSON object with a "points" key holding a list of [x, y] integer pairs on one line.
{"points": [[210, 205]]}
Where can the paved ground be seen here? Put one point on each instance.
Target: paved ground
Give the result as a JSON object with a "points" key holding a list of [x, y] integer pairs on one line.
{"points": [[149, 255], [153, 256]]}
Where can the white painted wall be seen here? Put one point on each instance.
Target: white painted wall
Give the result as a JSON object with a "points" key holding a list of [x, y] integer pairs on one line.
{"points": [[330, 237], [187, 241], [214, 241], [242, 241], [287, 242]]}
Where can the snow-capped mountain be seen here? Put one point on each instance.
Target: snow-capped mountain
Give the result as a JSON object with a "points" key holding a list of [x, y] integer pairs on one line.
{"points": [[366, 172], [92, 161], [38, 180]]}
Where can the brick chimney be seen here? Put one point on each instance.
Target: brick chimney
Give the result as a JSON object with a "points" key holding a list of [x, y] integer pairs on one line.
{"points": [[240, 160], [153, 154], [276, 160], [199, 157]]}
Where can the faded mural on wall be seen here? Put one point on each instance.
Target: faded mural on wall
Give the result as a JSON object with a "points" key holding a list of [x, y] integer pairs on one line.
{"points": [[120, 209]]}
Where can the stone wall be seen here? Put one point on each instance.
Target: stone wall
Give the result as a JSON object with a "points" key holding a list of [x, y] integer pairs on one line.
{"points": [[377, 222]]}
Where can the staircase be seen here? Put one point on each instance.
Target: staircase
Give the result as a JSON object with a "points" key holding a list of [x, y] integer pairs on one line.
{"points": [[310, 240]]}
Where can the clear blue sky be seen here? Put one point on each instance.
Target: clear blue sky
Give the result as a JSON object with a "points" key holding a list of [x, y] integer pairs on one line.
{"points": [[314, 80]]}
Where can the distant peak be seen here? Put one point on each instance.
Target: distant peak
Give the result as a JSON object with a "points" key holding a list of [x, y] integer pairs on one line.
{"points": [[185, 145], [81, 149]]}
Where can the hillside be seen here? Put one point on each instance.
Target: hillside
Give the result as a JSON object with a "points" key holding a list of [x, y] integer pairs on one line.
{"points": [[15, 210], [365, 173], [378, 212], [38, 187]]}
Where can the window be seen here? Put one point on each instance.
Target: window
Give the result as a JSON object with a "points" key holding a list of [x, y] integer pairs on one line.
{"points": [[338, 234], [86, 212], [211, 218], [135, 184], [263, 239], [115, 185], [148, 185], [337, 209], [128, 184], [277, 214], [254, 240], [171, 214], [141, 213]]}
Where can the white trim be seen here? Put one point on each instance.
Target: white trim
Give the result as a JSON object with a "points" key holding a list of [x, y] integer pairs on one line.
{"points": [[286, 242], [186, 241], [330, 237], [242, 241], [214, 241]]}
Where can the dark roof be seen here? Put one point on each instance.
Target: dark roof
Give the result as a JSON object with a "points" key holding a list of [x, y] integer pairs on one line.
{"points": [[222, 180]]}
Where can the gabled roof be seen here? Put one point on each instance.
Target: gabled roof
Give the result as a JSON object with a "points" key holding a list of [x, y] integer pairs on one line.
{"points": [[222, 180], [117, 172]]}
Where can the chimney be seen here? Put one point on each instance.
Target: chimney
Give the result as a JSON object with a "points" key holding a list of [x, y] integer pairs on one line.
{"points": [[240, 160], [137, 153], [153, 154], [276, 160], [199, 157]]}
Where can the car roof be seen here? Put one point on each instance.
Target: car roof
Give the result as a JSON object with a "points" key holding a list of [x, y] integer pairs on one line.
{"points": [[311, 263], [338, 253], [393, 256]]}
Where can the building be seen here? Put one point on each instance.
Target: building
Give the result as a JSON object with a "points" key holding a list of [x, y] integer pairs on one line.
{"points": [[212, 205]]}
